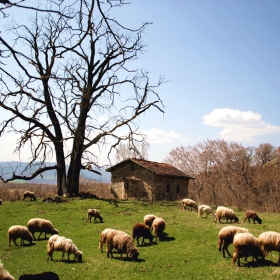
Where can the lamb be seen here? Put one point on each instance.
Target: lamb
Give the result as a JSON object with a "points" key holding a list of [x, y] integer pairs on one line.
{"points": [[60, 243], [41, 225], [204, 209], [269, 241], [225, 237], [245, 244], [148, 220], [93, 213], [141, 230], [17, 231], [158, 227], [188, 203], [4, 274], [29, 194], [124, 244], [225, 213], [252, 215], [48, 275], [106, 235]]}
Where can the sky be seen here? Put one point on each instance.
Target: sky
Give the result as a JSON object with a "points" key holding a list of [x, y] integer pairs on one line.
{"points": [[221, 60]]}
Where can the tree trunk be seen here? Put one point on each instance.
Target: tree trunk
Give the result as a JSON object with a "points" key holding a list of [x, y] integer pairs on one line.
{"points": [[61, 169]]}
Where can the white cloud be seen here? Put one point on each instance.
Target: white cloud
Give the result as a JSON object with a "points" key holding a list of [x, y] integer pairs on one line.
{"points": [[159, 136], [239, 125]]}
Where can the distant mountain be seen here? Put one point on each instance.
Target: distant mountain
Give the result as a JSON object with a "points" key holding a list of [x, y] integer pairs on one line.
{"points": [[49, 177]]}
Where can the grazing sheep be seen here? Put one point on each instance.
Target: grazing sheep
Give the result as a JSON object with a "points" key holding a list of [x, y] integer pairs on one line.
{"points": [[29, 194], [245, 244], [41, 225], [204, 209], [141, 230], [124, 244], [225, 213], [252, 215], [158, 227], [148, 220], [188, 203], [93, 213], [225, 237], [4, 274], [60, 243], [22, 232], [106, 235], [48, 275], [269, 241]]}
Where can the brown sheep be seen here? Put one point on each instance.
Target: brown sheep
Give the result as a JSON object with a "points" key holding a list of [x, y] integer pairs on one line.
{"points": [[252, 215], [94, 213], [29, 194], [141, 230]]}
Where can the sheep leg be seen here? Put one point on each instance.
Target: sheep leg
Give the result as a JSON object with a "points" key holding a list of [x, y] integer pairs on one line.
{"points": [[14, 240], [40, 235]]}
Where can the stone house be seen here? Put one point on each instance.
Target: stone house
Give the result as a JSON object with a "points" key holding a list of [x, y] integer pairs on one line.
{"points": [[141, 179]]}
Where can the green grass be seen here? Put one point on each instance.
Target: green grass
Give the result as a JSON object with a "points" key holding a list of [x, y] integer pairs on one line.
{"points": [[189, 251]]}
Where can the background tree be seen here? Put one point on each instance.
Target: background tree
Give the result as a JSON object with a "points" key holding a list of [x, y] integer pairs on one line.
{"points": [[75, 87]]}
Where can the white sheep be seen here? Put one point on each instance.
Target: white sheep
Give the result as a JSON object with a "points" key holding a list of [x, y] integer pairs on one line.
{"points": [[124, 244], [41, 225], [225, 237], [245, 244], [204, 209], [188, 203], [158, 227], [17, 231], [269, 241], [4, 274], [106, 236], [60, 243], [29, 194], [223, 212], [148, 220], [93, 213]]}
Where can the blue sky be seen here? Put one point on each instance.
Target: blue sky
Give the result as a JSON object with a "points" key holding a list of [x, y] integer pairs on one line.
{"points": [[222, 63]]}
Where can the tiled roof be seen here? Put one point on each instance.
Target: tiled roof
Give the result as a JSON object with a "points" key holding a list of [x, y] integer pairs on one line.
{"points": [[155, 167]]}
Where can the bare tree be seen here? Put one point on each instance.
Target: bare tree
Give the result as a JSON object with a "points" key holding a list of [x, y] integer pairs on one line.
{"points": [[75, 87], [125, 151]]}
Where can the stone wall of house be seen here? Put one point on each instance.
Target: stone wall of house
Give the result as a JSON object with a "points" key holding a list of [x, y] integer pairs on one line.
{"points": [[133, 181]]}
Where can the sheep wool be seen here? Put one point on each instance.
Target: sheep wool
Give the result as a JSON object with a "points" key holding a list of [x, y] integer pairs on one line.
{"points": [[107, 236], [204, 209], [94, 213], [225, 213], [148, 220], [60, 243], [5, 274], [188, 203], [269, 241], [124, 244], [29, 194], [41, 225], [245, 244], [158, 227], [17, 231], [225, 237]]}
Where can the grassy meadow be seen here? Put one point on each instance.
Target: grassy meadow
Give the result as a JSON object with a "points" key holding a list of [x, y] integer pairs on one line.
{"points": [[189, 250]]}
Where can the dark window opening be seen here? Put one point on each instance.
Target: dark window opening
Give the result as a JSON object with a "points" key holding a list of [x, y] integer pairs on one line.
{"points": [[127, 185], [177, 189], [168, 187]]}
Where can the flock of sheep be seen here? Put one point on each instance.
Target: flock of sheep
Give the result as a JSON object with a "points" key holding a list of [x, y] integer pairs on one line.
{"points": [[244, 243]]}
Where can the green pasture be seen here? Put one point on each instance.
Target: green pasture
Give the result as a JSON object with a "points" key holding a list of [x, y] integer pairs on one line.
{"points": [[189, 250]]}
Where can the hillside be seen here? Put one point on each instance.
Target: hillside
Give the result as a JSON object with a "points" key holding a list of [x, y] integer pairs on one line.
{"points": [[49, 177]]}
